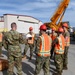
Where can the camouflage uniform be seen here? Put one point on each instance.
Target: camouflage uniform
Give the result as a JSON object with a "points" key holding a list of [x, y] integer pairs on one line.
{"points": [[41, 61], [66, 34], [0, 48], [14, 51], [5, 43], [58, 59], [31, 46]]}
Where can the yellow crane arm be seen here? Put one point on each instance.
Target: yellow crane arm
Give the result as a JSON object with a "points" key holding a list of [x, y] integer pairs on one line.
{"points": [[61, 8], [58, 15]]}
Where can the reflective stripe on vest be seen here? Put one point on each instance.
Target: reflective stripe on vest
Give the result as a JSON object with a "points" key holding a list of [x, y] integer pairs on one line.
{"points": [[59, 48], [32, 40], [67, 41], [1, 37], [45, 46]]}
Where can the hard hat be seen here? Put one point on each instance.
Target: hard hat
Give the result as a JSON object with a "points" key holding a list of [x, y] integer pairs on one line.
{"points": [[60, 30], [65, 25], [53, 29], [28, 36], [30, 28], [43, 27]]}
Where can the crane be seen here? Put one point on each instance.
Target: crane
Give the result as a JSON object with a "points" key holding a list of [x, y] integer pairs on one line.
{"points": [[56, 19]]}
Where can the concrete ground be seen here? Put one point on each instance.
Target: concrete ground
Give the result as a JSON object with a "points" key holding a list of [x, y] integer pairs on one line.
{"points": [[28, 66]]}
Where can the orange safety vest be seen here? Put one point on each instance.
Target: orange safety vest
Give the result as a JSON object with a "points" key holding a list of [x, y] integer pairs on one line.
{"points": [[53, 37], [31, 41], [1, 35], [67, 41], [59, 48], [45, 46]]}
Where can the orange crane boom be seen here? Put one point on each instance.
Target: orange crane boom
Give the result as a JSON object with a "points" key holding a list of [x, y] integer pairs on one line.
{"points": [[58, 15]]}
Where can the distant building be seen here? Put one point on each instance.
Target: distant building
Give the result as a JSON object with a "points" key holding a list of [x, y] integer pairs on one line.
{"points": [[23, 22]]}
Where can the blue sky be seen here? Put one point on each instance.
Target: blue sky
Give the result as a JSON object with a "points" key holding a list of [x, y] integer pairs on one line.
{"points": [[40, 9]]}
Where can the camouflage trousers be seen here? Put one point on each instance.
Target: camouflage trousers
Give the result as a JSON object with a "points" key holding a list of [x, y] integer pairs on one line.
{"points": [[42, 62], [27, 46], [15, 61], [65, 62], [58, 58]]}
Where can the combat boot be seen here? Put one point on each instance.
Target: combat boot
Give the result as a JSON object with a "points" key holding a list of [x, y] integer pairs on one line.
{"points": [[65, 68]]}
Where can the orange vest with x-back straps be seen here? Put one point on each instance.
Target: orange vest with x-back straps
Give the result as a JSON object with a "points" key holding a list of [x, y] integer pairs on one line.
{"points": [[45, 46], [59, 48]]}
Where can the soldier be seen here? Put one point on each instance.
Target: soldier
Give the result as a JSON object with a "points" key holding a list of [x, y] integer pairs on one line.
{"points": [[30, 41], [59, 52], [43, 52], [53, 36], [14, 50], [1, 40], [67, 44]]}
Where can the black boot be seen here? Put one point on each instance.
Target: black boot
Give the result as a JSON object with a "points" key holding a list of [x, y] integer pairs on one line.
{"points": [[65, 68]]}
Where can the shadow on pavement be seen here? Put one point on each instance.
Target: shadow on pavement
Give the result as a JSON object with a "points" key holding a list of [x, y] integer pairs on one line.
{"points": [[27, 69], [52, 62], [72, 42], [4, 52], [32, 61], [5, 72], [52, 70]]}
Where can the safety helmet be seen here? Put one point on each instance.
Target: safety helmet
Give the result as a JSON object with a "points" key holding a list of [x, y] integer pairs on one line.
{"points": [[53, 29], [60, 30], [30, 28], [65, 25], [43, 27]]}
